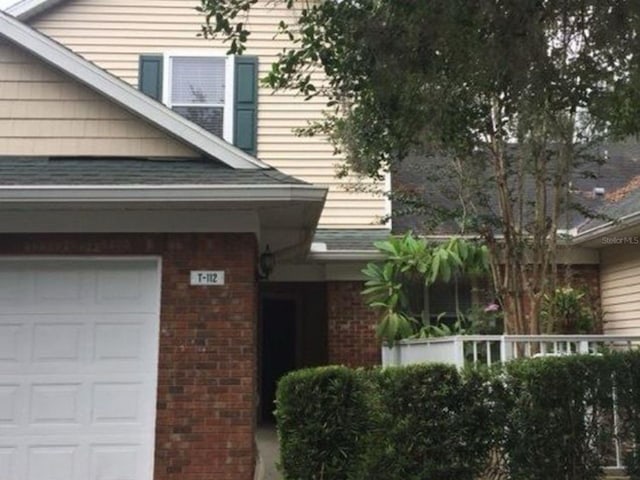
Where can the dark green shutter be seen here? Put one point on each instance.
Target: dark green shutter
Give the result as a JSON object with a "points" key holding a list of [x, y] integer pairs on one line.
{"points": [[245, 112], [150, 76]]}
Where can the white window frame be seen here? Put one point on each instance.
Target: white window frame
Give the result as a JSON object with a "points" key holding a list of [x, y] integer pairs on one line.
{"points": [[229, 79]]}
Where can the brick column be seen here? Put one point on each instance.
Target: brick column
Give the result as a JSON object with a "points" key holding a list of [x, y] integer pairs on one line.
{"points": [[351, 323], [206, 388]]}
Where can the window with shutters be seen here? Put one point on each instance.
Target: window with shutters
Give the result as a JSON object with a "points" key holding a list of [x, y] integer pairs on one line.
{"points": [[200, 88]]}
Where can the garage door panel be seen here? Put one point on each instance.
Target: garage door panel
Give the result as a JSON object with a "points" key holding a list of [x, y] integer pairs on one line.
{"points": [[121, 462], [119, 342], [11, 397], [78, 286], [78, 369], [57, 342], [16, 288], [47, 343], [127, 290], [117, 403], [53, 462], [57, 404], [67, 406], [12, 338], [8, 462], [60, 286], [115, 459]]}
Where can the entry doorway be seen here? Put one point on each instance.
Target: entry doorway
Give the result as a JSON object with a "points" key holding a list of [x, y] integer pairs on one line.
{"points": [[292, 334], [279, 319]]}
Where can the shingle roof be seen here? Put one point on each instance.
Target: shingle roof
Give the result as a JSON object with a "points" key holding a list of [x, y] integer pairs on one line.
{"points": [[346, 239], [615, 210], [419, 177], [131, 171]]}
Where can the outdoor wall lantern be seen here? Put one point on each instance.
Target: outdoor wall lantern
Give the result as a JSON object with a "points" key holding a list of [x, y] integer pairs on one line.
{"points": [[266, 264]]}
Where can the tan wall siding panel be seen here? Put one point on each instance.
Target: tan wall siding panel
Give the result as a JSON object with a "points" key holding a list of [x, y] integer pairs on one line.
{"points": [[44, 113], [113, 33], [620, 289]]}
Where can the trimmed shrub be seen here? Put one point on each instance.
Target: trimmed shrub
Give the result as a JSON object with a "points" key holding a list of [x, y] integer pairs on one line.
{"points": [[413, 423], [435, 425], [323, 423], [554, 427], [627, 382], [539, 419]]}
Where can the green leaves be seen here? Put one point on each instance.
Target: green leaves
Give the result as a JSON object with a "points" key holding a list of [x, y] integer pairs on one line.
{"points": [[409, 261], [394, 326], [547, 418], [411, 423], [567, 310], [463, 81]]}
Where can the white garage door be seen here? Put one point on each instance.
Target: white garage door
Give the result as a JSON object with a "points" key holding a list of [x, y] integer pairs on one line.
{"points": [[78, 368]]}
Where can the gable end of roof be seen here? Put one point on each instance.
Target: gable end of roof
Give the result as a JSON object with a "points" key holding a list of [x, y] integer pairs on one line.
{"points": [[123, 94]]}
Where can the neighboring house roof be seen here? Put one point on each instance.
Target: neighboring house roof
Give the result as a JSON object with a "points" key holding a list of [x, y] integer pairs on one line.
{"points": [[416, 176], [25, 171], [124, 94], [620, 210]]}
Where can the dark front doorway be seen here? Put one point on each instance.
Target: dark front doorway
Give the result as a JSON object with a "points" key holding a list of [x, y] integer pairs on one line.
{"points": [[279, 319]]}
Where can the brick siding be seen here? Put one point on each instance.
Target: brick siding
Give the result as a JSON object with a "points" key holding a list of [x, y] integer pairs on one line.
{"points": [[352, 326], [206, 383]]}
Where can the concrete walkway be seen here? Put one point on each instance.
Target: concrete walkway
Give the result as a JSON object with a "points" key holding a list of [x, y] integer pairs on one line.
{"points": [[268, 453]]}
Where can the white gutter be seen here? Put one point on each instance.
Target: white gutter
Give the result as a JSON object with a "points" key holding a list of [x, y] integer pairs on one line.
{"points": [[163, 193], [124, 94], [346, 256], [607, 228]]}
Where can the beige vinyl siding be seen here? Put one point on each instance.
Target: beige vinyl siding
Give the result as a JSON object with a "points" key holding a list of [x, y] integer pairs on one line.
{"points": [[42, 112], [620, 289], [113, 33]]}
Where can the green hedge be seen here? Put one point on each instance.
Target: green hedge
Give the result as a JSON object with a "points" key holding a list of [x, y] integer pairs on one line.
{"points": [[323, 420], [532, 420], [415, 423], [627, 380], [433, 425], [554, 422]]}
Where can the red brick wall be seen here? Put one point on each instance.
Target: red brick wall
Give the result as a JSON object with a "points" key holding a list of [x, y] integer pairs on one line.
{"points": [[352, 336], [206, 384]]}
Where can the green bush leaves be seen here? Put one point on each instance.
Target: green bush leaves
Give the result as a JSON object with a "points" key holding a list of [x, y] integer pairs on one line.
{"points": [[416, 423], [538, 419]]}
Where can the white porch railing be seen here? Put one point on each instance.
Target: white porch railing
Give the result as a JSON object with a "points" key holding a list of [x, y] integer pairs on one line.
{"points": [[462, 350]]}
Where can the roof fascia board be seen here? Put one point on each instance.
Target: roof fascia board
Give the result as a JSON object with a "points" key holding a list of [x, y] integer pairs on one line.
{"points": [[124, 95], [26, 9], [164, 193]]}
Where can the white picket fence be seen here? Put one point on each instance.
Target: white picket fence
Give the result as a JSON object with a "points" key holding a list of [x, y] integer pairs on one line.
{"points": [[462, 350]]}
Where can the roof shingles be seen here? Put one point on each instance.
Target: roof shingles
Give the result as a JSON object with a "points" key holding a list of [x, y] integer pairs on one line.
{"points": [[38, 171]]}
